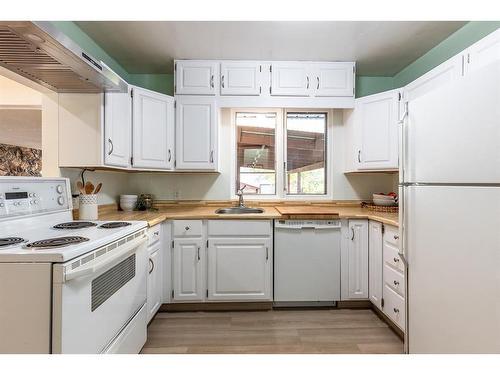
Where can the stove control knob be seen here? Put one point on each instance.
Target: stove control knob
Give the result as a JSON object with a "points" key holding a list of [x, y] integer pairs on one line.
{"points": [[1, 204], [35, 201], [34, 194], [60, 200], [30, 195], [59, 189]]}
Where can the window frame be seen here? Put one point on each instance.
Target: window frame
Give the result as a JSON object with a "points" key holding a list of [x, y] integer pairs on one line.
{"points": [[280, 155]]}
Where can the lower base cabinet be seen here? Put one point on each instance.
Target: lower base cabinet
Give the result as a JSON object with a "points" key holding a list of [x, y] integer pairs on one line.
{"points": [[239, 269], [354, 260], [154, 281], [188, 261]]}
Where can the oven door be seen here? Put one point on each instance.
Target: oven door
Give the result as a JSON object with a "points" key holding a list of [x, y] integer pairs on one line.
{"points": [[97, 295]]}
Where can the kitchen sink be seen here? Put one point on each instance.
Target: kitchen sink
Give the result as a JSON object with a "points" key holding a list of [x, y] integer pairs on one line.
{"points": [[239, 210]]}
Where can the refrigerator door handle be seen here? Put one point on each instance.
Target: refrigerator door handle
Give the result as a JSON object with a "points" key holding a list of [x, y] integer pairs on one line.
{"points": [[402, 145], [402, 221]]}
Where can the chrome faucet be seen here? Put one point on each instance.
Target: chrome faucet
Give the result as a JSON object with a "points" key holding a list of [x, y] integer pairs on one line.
{"points": [[239, 193]]}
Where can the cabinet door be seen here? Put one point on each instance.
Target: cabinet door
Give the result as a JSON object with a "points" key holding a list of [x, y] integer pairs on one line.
{"points": [[333, 79], [187, 269], [153, 129], [375, 268], [290, 79], [377, 117], [358, 260], [239, 269], [196, 128], [484, 52], [448, 71], [196, 77], [240, 78], [117, 129], [154, 281]]}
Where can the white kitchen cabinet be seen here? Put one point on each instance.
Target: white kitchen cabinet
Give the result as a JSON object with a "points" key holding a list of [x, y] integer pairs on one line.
{"points": [[155, 281], [483, 52], [153, 129], [290, 79], [375, 263], [446, 72], [187, 269], [377, 121], [196, 77], [332, 79], [240, 78], [196, 133], [117, 129], [239, 269], [355, 261]]}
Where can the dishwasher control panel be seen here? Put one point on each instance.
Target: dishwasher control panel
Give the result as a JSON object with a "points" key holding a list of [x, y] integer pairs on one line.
{"points": [[307, 224]]}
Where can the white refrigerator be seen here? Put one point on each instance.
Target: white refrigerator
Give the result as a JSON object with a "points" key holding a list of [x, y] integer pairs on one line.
{"points": [[450, 214]]}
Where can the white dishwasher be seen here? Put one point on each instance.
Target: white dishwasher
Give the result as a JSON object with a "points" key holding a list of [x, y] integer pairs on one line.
{"points": [[306, 262]]}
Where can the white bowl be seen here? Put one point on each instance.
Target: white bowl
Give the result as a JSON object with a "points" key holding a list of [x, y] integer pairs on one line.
{"points": [[128, 196], [127, 206]]}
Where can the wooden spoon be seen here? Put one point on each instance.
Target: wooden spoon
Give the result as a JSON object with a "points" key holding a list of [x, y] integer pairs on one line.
{"points": [[89, 187], [79, 185], [98, 188]]}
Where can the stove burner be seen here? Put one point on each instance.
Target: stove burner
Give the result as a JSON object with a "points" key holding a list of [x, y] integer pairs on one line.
{"points": [[75, 225], [9, 241], [114, 224], [56, 242]]}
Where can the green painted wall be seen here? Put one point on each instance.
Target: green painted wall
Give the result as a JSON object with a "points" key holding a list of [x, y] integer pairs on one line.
{"points": [[163, 83], [366, 85]]}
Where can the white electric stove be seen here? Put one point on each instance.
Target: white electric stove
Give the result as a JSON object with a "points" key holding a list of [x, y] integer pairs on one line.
{"points": [[67, 286]]}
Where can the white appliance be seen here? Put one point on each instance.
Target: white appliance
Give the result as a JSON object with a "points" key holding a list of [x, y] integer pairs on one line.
{"points": [[67, 286], [450, 215], [306, 262]]}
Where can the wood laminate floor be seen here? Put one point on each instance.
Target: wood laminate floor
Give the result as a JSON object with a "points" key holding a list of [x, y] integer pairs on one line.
{"points": [[275, 331]]}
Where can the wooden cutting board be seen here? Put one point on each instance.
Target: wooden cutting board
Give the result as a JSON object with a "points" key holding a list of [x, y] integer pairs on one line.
{"points": [[307, 210]]}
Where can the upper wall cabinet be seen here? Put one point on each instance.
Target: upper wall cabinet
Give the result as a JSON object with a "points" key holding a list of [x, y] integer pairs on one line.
{"points": [[153, 130], [333, 79], [240, 78], [329, 79], [290, 79], [117, 129], [196, 77], [196, 133], [372, 133], [482, 53], [448, 71]]}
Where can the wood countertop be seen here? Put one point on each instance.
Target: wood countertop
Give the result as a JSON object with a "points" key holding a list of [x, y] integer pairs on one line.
{"points": [[270, 212]]}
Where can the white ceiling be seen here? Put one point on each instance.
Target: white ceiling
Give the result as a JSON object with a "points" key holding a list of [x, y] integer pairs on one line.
{"points": [[379, 48]]}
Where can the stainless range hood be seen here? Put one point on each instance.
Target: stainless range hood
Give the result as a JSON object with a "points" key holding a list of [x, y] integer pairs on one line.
{"points": [[41, 53]]}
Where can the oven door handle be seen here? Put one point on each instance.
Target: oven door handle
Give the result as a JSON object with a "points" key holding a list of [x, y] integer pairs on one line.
{"points": [[105, 261]]}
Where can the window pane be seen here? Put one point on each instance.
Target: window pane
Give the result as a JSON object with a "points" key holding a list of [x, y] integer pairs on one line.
{"points": [[306, 153], [255, 141]]}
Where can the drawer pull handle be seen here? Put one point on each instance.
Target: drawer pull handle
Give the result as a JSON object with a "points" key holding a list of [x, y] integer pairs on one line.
{"points": [[187, 228], [157, 233], [396, 237], [396, 311], [396, 282], [396, 260]]}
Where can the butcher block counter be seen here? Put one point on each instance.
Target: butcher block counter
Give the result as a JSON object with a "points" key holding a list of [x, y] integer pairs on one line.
{"points": [[203, 210]]}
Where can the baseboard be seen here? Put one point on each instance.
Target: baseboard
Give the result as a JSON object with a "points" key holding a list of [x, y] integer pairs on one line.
{"points": [[363, 304], [217, 306]]}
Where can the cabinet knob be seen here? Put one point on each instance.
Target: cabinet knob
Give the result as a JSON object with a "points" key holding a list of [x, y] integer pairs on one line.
{"points": [[187, 228], [396, 237], [396, 282], [396, 310], [395, 260]]}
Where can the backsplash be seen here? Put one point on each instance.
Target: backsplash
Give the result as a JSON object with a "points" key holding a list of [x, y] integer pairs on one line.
{"points": [[20, 161]]}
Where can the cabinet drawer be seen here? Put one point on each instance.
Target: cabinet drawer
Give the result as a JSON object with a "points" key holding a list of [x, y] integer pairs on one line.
{"points": [[394, 307], [391, 235], [394, 279], [239, 227], [154, 234], [188, 228], [391, 256]]}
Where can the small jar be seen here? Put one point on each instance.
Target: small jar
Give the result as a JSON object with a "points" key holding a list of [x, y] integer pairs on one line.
{"points": [[88, 208]]}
